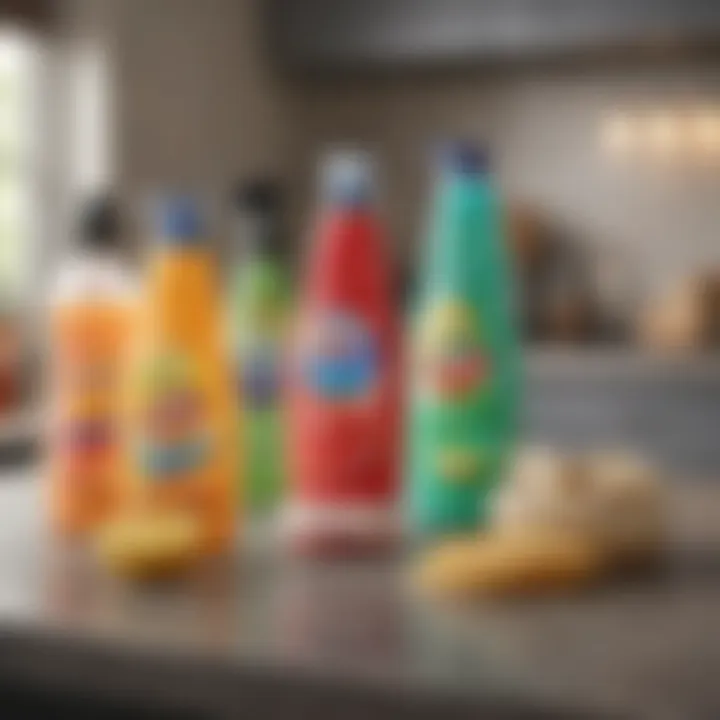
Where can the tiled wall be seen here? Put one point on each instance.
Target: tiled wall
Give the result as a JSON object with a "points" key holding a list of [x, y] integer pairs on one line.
{"points": [[651, 220], [195, 101], [198, 101]]}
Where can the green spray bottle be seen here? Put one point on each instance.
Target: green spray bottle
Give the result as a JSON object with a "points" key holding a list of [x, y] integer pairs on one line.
{"points": [[464, 352], [260, 310]]}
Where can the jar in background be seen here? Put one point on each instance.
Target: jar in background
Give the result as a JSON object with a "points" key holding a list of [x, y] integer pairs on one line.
{"points": [[10, 361]]}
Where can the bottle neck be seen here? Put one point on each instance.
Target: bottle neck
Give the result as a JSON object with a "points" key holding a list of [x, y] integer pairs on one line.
{"points": [[464, 215], [190, 245], [99, 255], [258, 234], [348, 212]]}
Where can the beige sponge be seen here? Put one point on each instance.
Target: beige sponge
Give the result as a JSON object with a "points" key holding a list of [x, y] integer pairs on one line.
{"points": [[612, 497]]}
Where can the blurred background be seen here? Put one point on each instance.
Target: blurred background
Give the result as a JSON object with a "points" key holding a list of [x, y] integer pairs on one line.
{"points": [[603, 119]]}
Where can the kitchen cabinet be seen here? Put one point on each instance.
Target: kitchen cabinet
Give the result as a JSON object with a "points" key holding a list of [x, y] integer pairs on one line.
{"points": [[341, 34]]}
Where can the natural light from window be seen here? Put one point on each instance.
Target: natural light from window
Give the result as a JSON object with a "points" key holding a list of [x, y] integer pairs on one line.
{"points": [[18, 143]]}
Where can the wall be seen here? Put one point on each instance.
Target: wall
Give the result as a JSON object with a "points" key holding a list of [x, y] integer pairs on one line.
{"points": [[649, 223], [194, 103], [196, 99]]}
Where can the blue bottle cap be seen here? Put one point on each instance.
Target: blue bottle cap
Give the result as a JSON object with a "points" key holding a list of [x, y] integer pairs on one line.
{"points": [[347, 178], [466, 158], [179, 220]]}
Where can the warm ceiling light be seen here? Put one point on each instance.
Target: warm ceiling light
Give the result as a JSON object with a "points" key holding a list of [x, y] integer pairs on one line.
{"points": [[663, 134], [706, 131], [619, 134]]}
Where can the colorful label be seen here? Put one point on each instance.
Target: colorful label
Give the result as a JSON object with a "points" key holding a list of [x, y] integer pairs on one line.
{"points": [[174, 440], [339, 358], [84, 448], [452, 364], [459, 465], [88, 417], [260, 375]]}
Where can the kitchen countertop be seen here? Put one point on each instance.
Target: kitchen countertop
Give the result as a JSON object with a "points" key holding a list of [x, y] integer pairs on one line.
{"points": [[266, 635]]}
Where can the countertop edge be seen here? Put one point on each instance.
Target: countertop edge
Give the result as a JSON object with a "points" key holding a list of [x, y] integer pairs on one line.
{"points": [[163, 682]]}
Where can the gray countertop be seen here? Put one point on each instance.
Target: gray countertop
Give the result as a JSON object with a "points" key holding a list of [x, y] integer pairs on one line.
{"points": [[261, 634]]}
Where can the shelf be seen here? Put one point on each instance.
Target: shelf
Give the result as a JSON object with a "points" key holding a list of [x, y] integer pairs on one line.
{"points": [[605, 362], [19, 435]]}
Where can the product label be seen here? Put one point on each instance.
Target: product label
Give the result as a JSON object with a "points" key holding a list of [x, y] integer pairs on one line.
{"points": [[339, 358], [452, 365], [87, 426], [260, 374], [174, 438], [87, 363], [459, 465]]}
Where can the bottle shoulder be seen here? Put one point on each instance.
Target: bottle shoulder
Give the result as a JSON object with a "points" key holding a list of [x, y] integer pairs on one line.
{"points": [[84, 278]]}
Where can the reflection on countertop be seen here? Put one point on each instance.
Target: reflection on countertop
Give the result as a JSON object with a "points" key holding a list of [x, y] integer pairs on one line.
{"points": [[262, 625]]}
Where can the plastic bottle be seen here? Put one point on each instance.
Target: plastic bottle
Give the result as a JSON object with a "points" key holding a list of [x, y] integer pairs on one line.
{"points": [[90, 317], [181, 421], [465, 354], [343, 394], [260, 309]]}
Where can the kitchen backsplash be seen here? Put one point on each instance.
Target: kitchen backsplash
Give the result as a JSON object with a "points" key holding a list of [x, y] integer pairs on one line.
{"points": [[646, 222]]}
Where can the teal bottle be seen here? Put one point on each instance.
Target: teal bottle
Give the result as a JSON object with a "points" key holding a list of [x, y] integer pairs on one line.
{"points": [[260, 306], [465, 354]]}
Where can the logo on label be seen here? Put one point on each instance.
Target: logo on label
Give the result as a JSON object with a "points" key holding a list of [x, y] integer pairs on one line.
{"points": [[339, 358], [87, 426], [452, 365], [260, 374], [174, 435]]}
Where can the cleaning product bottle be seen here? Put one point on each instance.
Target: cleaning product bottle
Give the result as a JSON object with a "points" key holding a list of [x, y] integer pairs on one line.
{"points": [[90, 317], [465, 354], [260, 304], [181, 425], [343, 394]]}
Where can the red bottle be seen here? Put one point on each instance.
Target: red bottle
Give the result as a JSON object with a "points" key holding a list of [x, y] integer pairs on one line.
{"points": [[344, 403]]}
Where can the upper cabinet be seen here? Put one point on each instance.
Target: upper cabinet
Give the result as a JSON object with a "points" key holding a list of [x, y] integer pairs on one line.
{"points": [[331, 34]]}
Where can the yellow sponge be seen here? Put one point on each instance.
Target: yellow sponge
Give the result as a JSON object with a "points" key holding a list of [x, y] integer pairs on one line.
{"points": [[150, 546], [510, 564]]}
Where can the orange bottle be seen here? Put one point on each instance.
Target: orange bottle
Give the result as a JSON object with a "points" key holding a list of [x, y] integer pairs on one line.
{"points": [[90, 317], [181, 429]]}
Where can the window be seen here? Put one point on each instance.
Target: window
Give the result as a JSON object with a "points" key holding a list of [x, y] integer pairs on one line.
{"points": [[17, 164], [91, 149]]}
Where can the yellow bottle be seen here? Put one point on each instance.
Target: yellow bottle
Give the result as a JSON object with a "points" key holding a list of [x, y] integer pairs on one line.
{"points": [[181, 429]]}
